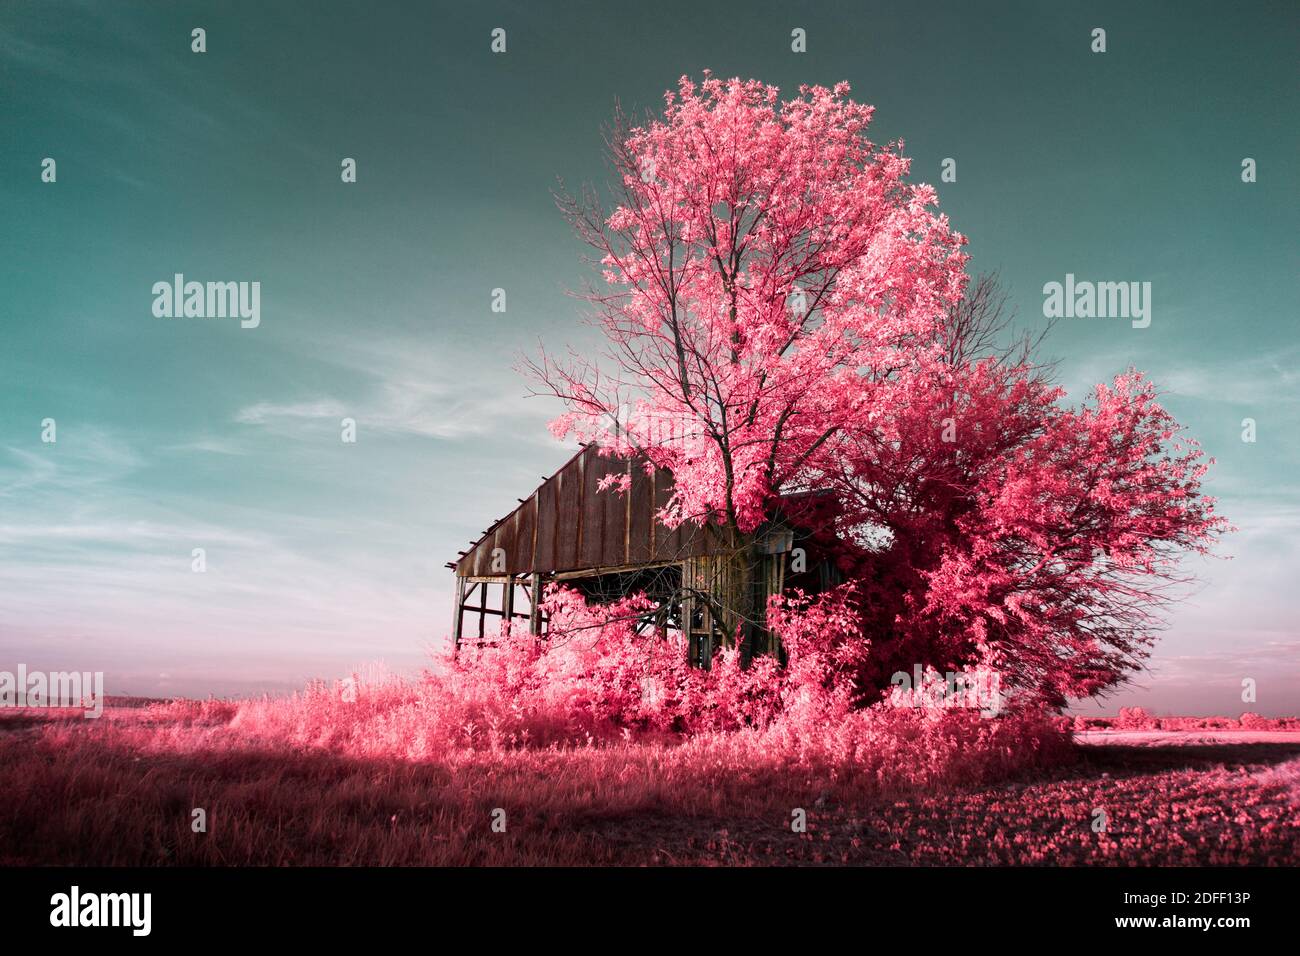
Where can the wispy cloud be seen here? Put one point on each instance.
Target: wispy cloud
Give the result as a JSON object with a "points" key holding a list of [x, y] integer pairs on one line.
{"points": [[404, 388], [208, 445], [1267, 380], [83, 455], [1277, 660]]}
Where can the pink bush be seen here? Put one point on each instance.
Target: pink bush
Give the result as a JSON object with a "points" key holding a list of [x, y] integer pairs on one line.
{"points": [[188, 713], [596, 675], [596, 683], [1134, 718]]}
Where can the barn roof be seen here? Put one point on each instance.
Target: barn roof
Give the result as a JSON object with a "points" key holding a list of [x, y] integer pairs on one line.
{"points": [[568, 525]]}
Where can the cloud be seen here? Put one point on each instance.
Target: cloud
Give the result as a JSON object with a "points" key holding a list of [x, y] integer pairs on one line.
{"points": [[264, 413], [213, 446], [279, 605], [402, 388], [1268, 380], [1278, 659], [394, 409], [122, 534], [1262, 380], [84, 455]]}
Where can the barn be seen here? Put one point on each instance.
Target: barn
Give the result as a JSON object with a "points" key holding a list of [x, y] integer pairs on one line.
{"points": [[706, 583]]}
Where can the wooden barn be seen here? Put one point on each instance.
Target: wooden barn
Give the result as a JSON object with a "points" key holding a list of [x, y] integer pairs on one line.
{"points": [[706, 583]]}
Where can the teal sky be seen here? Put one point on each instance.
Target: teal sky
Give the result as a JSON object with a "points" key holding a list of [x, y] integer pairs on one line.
{"points": [[177, 434]]}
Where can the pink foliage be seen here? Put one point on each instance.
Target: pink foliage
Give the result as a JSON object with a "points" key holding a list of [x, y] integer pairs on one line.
{"points": [[767, 268], [785, 311], [1071, 538], [596, 682], [194, 713], [596, 675], [324, 778]]}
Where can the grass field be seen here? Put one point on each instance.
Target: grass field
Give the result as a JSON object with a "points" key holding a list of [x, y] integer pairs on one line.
{"points": [[123, 790]]}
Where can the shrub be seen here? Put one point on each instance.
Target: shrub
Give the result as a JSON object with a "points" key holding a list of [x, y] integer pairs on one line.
{"points": [[597, 683]]}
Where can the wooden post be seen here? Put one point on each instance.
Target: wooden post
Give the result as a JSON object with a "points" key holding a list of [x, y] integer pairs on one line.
{"points": [[482, 615], [457, 616], [535, 612], [508, 600], [694, 652]]}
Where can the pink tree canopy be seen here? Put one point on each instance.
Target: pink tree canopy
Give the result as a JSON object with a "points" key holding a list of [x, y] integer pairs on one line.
{"points": [[769, 276], [781, 309]]}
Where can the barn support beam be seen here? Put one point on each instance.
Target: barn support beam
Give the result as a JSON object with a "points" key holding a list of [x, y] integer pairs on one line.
{"points": [[482, 617], [535, 610], [463, 590], [508, 610], [457, 610]]}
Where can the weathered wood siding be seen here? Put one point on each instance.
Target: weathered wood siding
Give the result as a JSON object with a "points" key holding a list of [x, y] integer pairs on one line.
{"points": [[567, 525]]}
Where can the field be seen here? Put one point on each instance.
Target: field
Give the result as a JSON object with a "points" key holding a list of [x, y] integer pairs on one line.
{"points": [[123, 790]]}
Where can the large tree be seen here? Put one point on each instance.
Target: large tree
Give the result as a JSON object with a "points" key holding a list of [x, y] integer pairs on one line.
{"points": [[768, 277], [1011, 531], [782, 309]]}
